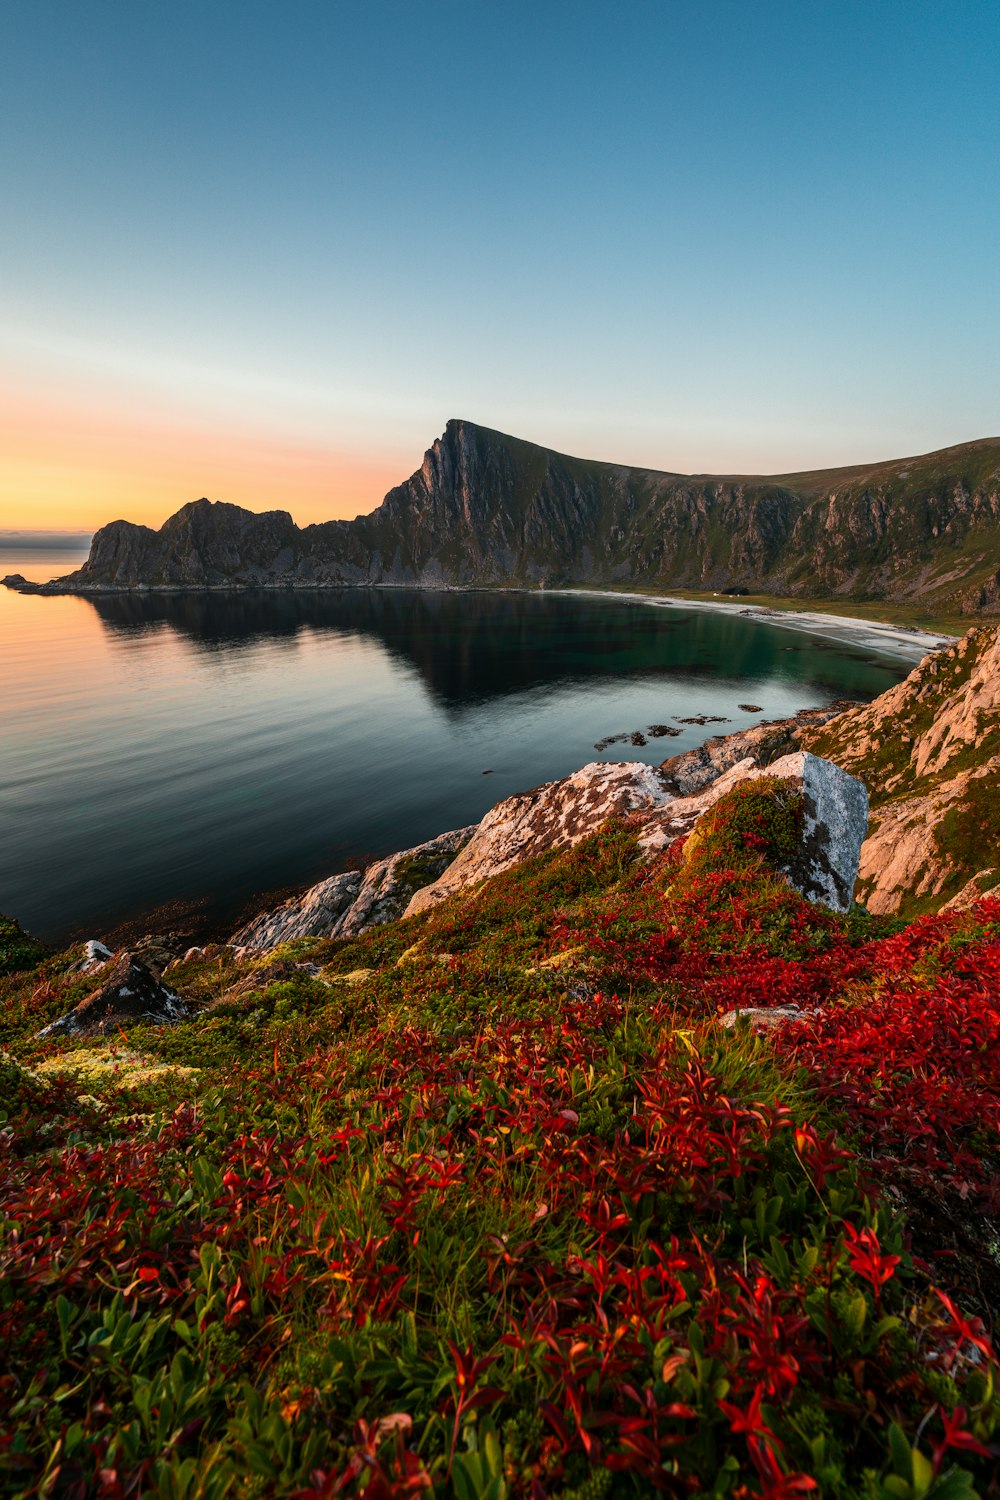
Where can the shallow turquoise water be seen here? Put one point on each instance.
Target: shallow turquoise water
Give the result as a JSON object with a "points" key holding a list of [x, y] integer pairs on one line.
{"points": [[163, 747]]}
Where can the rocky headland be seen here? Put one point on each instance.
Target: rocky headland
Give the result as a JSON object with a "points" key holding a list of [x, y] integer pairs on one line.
{"points": [[485, 509]]}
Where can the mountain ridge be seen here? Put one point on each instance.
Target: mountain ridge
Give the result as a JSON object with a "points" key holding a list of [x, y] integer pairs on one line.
{"points": [[487, 509]]}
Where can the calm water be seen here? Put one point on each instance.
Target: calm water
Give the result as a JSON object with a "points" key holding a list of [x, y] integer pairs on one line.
{"points": [[155, 748]]}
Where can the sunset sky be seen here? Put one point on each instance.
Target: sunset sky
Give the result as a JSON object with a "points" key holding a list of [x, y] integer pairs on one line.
{"points": [[262, 252]]}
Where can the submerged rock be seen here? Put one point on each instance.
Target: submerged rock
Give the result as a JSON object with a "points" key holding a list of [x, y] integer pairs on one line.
{"points": [[131, 993]]}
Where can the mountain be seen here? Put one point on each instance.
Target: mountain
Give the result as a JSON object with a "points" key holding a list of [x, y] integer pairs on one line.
{"points": [[487, 509]]}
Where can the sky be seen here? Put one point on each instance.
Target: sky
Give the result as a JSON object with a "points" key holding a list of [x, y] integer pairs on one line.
{"points": [[262, 252]]}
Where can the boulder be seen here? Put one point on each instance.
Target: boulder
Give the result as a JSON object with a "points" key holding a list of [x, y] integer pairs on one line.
{"points": [[131, 994], [389, 885], [762, 1018], [348, 905], [836, 821], [96, 956], [553, 816], [316, 914]]}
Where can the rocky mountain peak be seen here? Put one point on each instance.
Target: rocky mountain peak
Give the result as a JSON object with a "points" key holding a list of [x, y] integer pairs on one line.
{"points": [[484, 508]]}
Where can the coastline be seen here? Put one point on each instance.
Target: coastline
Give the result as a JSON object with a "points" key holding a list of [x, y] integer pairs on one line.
{"points": [[907, 643], [903, 641]]}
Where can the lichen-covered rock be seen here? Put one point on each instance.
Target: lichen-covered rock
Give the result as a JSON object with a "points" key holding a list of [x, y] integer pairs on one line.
{"points": [[131, 993], [552, 816], [561, 813], [390, 884], [347, 905], [929, 752], [824, 866], [318, 913], [762, 1018]]}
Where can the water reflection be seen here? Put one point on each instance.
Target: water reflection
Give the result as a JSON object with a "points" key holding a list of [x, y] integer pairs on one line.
{"points": [[202, 745], [472, 647]]}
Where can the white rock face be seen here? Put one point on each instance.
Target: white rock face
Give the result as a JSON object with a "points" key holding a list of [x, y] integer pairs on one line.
{"points": [[836, 822], [95, 955], [561, 813], [553, 816], [316, 914], [347, 905]]}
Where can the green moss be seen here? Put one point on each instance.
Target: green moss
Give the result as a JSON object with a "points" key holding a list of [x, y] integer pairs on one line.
{"points": [[758, 820], [18, 951], [968, 835]]}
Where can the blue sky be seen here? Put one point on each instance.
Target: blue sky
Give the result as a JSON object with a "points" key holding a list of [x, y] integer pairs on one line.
{"points": [[290, 240]]}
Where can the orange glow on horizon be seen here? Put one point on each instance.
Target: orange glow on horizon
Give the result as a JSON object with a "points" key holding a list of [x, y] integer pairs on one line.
{"points": [[66, 465]]}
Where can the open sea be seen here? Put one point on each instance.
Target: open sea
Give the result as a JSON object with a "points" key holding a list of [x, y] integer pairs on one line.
{"points": [[210, 747]]}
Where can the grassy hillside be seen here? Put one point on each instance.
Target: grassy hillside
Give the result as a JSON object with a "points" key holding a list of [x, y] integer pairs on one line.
{"points": [[489, 1203]]}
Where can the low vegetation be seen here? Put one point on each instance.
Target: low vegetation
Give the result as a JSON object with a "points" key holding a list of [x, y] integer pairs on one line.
{"points": [[490, 1203]]}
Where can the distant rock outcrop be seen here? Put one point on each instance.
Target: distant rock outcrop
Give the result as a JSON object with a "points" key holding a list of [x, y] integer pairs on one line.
{"points": [[485, 508], [130, 994]]}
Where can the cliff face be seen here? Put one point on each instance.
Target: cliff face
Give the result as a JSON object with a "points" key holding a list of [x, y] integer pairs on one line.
{"points": [[484, 508]]}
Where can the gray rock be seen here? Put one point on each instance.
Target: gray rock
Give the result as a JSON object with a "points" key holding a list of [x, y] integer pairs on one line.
{"points": [[130, 994], [389, 885], [825, 867], [836, 822], [348, 905], [765, 1018], [316, 914], [553, 816], [96, 956]]}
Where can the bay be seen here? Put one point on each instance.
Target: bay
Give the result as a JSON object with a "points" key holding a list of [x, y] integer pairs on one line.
{"points": [[214, 746]]}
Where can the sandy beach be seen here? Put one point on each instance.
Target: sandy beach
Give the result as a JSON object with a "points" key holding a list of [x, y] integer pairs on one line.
{"points": [[903, 641]]}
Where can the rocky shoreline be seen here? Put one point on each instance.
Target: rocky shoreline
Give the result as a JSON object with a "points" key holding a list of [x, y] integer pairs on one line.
{"points": [[942, 726]]}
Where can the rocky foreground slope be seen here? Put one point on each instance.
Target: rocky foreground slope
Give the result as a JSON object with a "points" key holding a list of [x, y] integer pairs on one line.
{"points": [[605, 1149], [516, 1197], [488, 509], [928, 751]]}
